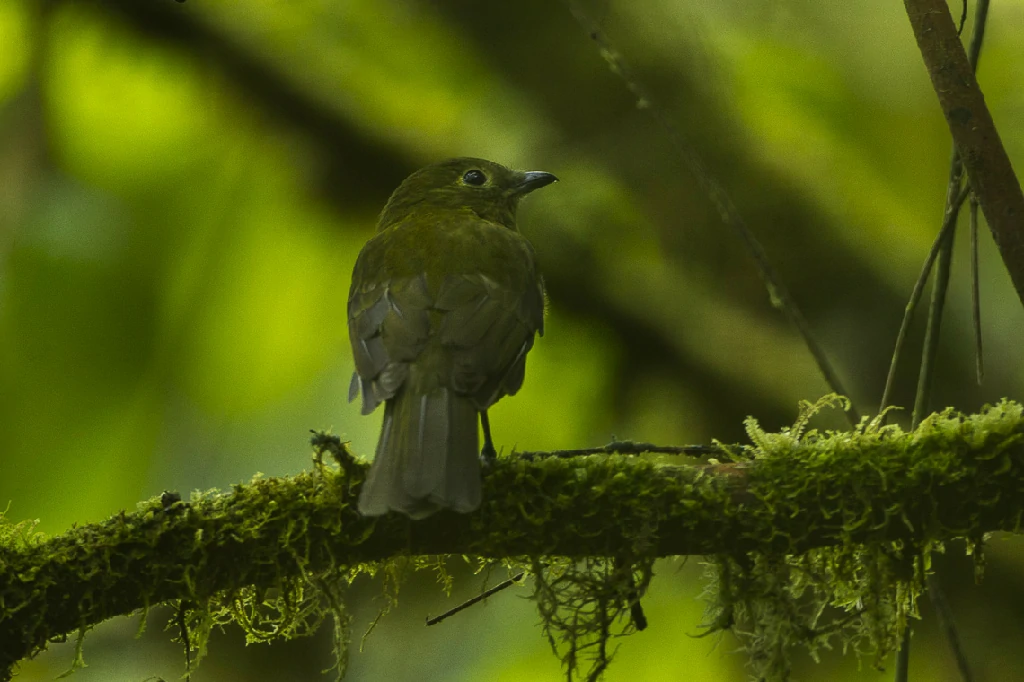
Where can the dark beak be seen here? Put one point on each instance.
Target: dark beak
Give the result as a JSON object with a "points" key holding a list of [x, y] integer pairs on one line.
{"points": [[533, 180]]}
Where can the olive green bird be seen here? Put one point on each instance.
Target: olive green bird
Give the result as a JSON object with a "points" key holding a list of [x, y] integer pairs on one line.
{"points": [[445, 303]]}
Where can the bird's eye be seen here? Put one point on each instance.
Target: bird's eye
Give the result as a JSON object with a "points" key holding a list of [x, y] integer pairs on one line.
{"points": [[474, 177]]}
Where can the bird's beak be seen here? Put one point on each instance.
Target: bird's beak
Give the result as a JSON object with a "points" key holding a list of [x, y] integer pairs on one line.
{"points": [[532, 180]]}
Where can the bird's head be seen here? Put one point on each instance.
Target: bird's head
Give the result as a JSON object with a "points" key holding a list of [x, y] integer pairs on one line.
{"points": [[489, 189]]}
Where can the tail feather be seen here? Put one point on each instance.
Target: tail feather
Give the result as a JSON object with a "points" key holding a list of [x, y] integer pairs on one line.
{"points": [[427, 456]]}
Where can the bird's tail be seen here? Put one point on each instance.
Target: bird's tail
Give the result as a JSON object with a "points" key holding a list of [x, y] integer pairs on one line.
{"points": [[427, 457]]}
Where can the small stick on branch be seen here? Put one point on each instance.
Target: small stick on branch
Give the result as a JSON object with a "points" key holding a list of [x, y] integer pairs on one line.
{"points": [[479, 598], [628, 447]]}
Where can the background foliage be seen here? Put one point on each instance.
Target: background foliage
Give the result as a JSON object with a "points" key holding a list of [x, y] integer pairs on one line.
{"points": [[184, 188]]}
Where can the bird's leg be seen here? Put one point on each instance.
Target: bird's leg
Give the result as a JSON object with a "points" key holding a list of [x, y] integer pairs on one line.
{"points": [[488, 453]]}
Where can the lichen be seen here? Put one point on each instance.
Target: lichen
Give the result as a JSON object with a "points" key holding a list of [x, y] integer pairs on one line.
{"points": [[585, 604], [850, 594], [815, 539]]}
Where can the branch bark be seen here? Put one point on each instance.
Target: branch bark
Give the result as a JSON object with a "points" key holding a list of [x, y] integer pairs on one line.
{"points": [[955, 476], [974, 134]]}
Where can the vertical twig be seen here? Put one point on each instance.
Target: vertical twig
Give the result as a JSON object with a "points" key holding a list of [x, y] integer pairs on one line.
{"points": [[948, 222], [979, 362], [928, 355], [945, 615], [931, 335]]}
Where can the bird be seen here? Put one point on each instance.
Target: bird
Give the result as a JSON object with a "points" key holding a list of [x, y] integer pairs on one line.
{"points": [[446, 301]]}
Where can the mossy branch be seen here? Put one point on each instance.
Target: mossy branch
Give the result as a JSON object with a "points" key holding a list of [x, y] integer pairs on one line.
{"points": [[955, 476]]}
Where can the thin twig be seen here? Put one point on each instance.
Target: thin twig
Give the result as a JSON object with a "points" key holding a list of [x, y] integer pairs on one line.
{"points": [[979, 361], [628, 447], [903, 657], [931, 346], [479, 598], [945, 614], [973, 56], [730, 215], [924, 383], [931, 335], [949, 221], [977, 34], [963, 17]]}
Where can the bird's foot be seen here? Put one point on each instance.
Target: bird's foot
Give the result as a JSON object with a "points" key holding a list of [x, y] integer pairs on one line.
{"points": [[488, 457]]}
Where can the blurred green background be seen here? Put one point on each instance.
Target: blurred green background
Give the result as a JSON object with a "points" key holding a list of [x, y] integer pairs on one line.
{"points": [[184, 188]]}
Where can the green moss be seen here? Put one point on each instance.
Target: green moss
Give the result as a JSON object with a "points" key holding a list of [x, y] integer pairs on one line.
{"points": [[833, 531], [857, 593], [816, 539]]}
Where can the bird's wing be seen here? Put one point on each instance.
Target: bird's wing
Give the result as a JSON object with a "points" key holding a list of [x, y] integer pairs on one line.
{"points": [[487, 329], [388, 326]]}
